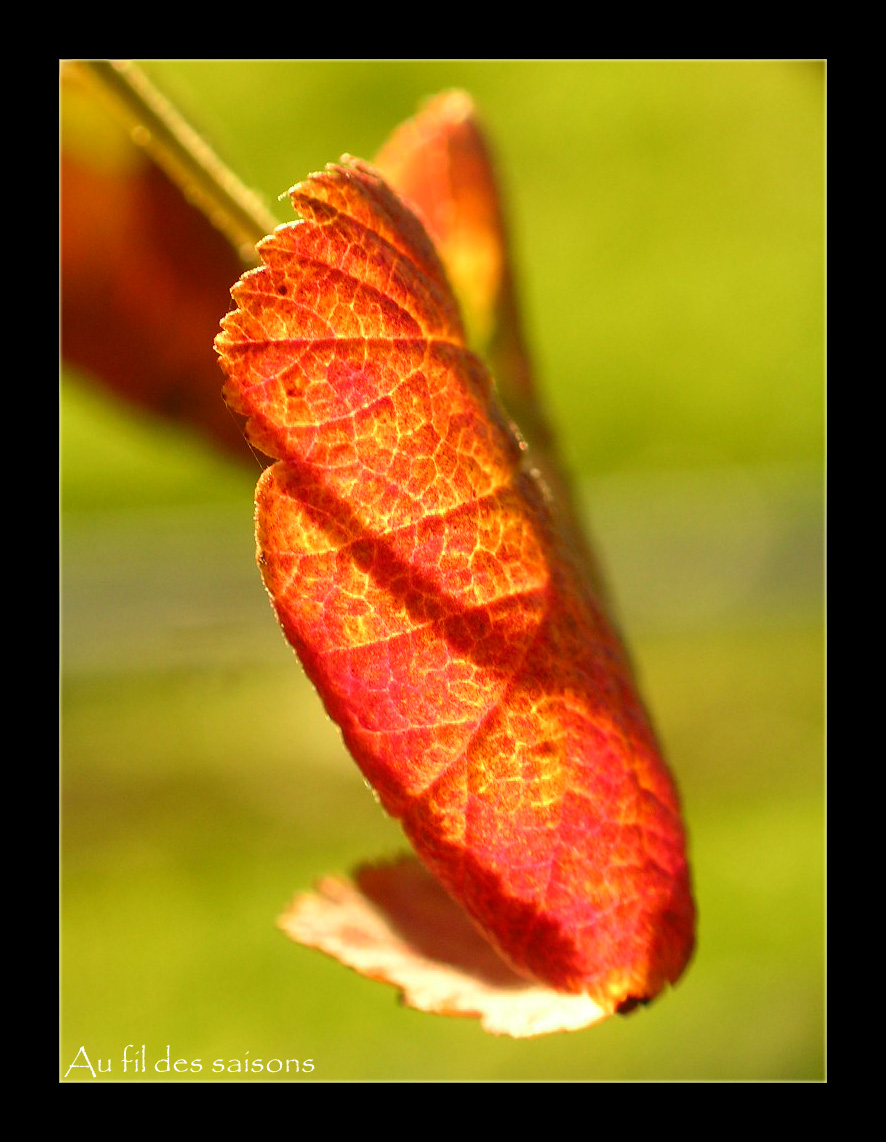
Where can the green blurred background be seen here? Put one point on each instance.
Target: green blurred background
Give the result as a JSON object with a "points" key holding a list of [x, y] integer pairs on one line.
{"points": [[668, 223]]}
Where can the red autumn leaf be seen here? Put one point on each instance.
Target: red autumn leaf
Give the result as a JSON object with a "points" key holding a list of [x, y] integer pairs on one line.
{"points": [[415, 564]]}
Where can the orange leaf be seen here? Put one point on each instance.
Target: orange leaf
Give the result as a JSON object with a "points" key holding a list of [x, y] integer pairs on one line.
{"points": [[415, 564]]}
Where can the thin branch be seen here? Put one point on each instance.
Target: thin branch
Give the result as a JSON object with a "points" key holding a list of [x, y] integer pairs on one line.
{"points": [[183, 154]]}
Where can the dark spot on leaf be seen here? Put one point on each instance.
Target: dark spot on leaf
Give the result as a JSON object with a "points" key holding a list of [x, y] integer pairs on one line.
{"points": [[627, 1005]]}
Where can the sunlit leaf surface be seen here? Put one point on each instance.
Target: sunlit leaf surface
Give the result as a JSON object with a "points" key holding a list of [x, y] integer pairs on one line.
{"points": [[416, 565]]}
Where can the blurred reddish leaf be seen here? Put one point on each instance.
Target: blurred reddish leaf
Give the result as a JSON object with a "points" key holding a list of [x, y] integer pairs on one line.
{"points": [[415, 564], [440, 163], [144, 276]]}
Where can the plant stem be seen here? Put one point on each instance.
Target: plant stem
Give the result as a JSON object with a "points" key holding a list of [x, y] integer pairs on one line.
{"points": [[183, 154]]}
